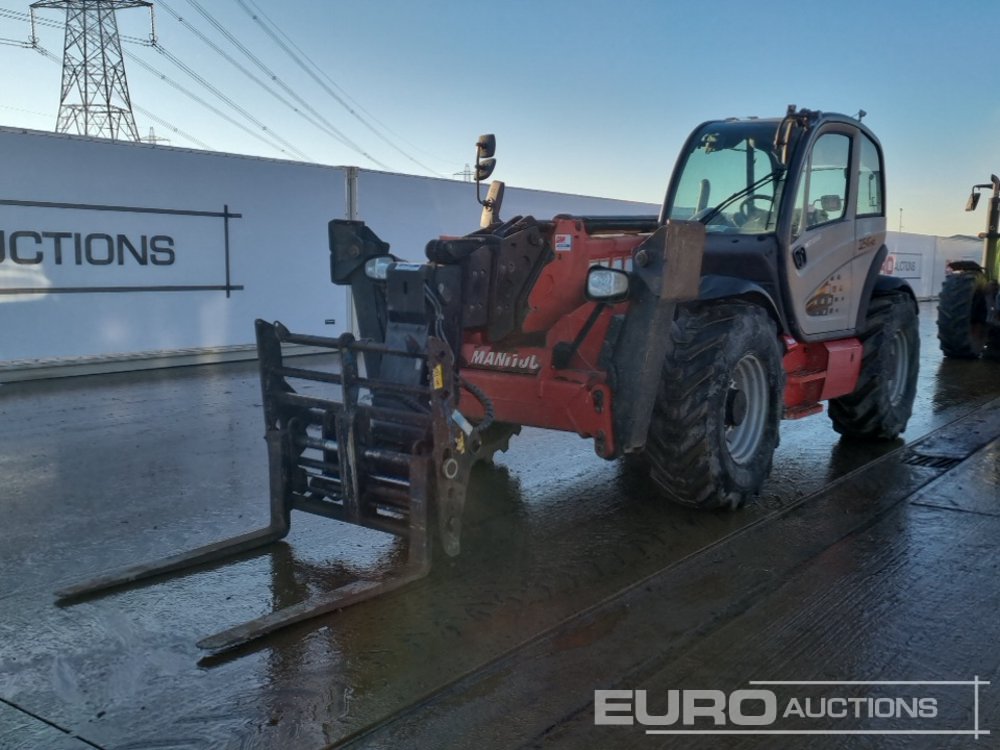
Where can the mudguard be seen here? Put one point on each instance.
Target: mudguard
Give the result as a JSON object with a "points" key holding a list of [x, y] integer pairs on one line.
{"points": [[887, 284], [716, 286]]}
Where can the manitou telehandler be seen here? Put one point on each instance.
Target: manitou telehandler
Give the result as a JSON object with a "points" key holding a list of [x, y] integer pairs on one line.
{"points": [[969, 305], [680, 340]]}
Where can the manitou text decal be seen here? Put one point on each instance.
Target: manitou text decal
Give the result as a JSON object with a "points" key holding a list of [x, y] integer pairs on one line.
{"points": [[505, 361]]}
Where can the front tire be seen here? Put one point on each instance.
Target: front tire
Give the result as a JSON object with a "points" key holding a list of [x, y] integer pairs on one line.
{"points": [[882, 402], [715, 421]]}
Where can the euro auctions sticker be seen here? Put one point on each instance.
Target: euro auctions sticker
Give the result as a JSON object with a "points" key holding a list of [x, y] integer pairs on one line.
{"points": [[802, 707], [564, 243]]}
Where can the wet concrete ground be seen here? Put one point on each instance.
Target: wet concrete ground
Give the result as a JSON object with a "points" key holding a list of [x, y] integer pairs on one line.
{"points": [[870, 562]]}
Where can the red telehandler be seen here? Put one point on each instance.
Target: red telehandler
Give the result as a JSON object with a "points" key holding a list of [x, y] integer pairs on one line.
{"points": [[681, 339]]}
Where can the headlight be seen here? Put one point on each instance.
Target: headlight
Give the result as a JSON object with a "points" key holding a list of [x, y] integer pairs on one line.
{"points": [[607, 284], [378, 268]]}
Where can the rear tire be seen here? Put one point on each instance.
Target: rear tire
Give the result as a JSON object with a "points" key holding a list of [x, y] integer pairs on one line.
{"points": [[880, 406], [962, 309], [714, 426]]}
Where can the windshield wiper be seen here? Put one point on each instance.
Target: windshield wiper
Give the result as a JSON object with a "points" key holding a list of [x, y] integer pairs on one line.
{"points": [[748, 190]]}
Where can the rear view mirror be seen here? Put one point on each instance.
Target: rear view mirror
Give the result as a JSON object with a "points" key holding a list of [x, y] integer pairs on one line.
{"points": [[484, 169], [486, 146], [831, 203], [973, 201]]}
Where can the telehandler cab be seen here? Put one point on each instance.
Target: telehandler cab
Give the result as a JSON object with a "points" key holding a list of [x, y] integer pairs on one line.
{"points": [[680, 339]]}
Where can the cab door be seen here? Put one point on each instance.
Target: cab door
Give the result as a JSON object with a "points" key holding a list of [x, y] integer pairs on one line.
{"points": [[821, 265]]}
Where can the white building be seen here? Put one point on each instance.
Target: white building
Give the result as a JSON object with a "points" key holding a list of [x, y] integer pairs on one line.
{"points": [[119, 256]]}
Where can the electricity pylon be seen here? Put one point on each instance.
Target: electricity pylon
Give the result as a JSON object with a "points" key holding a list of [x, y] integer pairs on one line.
{"points": [[95, 99]]}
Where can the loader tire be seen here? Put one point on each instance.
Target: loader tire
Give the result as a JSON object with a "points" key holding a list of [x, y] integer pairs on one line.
{"points": [[715, 421], [962, 309], [882, 402]]}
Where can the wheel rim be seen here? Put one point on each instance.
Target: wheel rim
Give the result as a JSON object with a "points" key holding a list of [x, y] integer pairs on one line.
{"points": [[899, 367], [746, 409]]}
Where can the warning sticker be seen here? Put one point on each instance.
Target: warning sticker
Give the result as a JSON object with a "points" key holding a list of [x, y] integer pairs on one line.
{"points": [[564, 243]]}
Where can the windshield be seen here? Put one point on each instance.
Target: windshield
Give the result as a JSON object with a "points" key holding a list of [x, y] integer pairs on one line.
{"points": [[731, 180]]}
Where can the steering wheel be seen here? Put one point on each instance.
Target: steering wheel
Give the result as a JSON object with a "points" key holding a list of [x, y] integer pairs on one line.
{"points": [[720, 219], [747, 205]]}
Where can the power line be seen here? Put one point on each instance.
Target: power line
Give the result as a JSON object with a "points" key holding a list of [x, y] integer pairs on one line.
{"points": [[16, 15], [52, 58], [313, 117], [322, 71], [285, 147], [276, 35], [284, 86], [274, 77], [194, 97], [249, 74], [225, 99], [25, 111], [174, 128]]}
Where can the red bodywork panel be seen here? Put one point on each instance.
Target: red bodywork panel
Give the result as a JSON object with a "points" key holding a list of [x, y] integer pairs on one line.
{"points": [[519, 379], [817, 372], [517, 373]]}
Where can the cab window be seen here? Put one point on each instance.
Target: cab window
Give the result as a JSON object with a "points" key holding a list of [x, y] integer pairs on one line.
{"points": [[870, 180], [822, 193], [730, 179]]}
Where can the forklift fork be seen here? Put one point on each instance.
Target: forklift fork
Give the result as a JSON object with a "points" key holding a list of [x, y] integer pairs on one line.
{"points": [[372, 457]]}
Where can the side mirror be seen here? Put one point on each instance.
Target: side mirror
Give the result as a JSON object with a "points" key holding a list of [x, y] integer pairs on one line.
{"points": [[484, 169], [831, 203], [486, 146], [607, 284], [973, 201]]}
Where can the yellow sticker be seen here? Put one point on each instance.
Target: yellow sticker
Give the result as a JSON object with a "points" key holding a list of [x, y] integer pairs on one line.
{"points": [[460, 442], [438, 377]]}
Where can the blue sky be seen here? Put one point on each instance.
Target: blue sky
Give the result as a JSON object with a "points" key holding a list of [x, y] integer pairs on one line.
{"points": [[592, 96]]}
